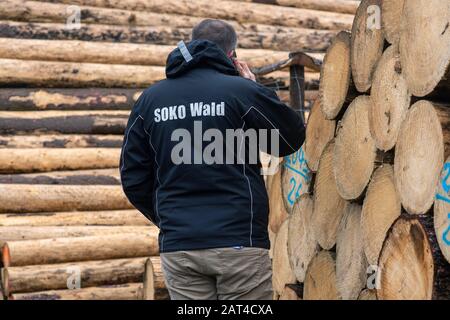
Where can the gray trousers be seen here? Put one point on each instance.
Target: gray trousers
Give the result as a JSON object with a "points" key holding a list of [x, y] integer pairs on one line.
{"points": [[218, 274]]}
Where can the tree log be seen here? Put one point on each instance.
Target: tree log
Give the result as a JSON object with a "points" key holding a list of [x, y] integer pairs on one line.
{"points": [[228, 10], [442, 212], [419, 156], [154, 285], [351, 263], [48, 198], [367, 43], [295, 178], [328, 204], [289, 294], [301, 244], [282, 270], [277, 210], [60, 250], [66, 74], [355, 151], [51, 159], [319, 131], [391, 18], [253, 37], [64, 276], [129, 291], [335, 75], [424, 45], [340, 6], [85, 122], [75, 218], [91, 274], [381, 208], [412, 266], [31, 99], [320, 280], [390, 100], [18, 233], [113, 53], [61, 141], [78, 177]]}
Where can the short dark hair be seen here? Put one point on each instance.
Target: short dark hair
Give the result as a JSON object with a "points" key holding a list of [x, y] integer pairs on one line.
{"points": [[217, 31]]}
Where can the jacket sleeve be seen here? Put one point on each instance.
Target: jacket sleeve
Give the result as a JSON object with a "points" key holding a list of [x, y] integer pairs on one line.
{"points": [[137, 166], [266, 111]]}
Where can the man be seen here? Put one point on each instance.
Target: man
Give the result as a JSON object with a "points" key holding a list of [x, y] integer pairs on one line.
{"points": [[212, 215]]}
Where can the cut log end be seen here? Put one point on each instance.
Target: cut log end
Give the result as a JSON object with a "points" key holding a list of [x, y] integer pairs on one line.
{"points": [[283, 273], [381, 208], [302, 245], [320, 280], [419, 156], [354, 151], [367, 43], [390, 100], [319, 132], [335, 75], [441, 212], [351, 264], [328, 204], [424, 44], [406, 263], [391, 15]]}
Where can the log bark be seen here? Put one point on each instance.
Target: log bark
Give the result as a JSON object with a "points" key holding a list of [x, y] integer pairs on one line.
{"points": [[129, 291], [380, 209], [228, 10], [58, 276], [18, 233], [320, 280], [390, 100], [301, 244], [335, 75], [355, 151], [295, 178], [319, 131], [424, 49], [391, 18], [340, 6], [113, 53], [277, 210], [48, 198], [419, 156], [51, 159], [60, 250], [328, 204], [412, 266], [78, 177], [154, 287], [61, 141], [253, 36], [84, 122], [31, 99], [351, 263], [367, 43], [75, 218], [68, 74], [282, 270], [441, 212]]}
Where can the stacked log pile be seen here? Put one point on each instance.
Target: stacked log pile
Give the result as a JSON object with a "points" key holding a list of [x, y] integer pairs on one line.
{"points": [[66, 229], [374, 222]]}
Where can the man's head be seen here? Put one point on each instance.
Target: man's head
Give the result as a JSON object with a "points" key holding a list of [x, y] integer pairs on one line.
{"points": [[217, 31]]}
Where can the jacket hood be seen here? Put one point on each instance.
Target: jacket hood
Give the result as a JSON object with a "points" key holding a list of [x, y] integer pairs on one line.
{"points": [[204, 54]]}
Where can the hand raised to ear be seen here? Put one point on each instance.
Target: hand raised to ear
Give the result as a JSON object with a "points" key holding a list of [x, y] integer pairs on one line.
{"points": [[244, 70]]}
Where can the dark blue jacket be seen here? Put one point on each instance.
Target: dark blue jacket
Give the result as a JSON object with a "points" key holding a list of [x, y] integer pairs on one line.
{"points": [[203, 205]]}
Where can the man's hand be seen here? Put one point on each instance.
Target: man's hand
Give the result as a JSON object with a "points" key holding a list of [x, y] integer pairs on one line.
{"points": [[244, 70]]}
